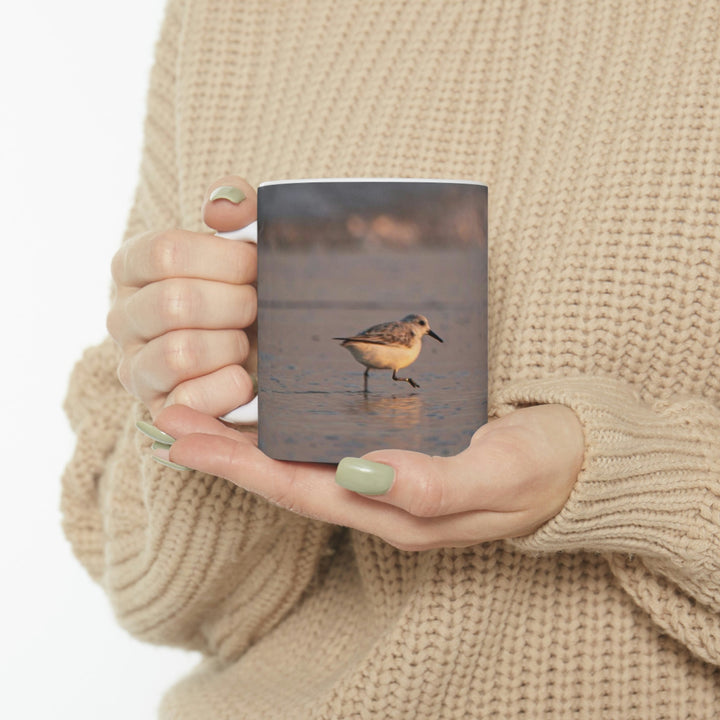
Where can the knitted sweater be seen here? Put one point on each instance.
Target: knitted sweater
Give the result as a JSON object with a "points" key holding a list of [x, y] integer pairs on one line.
{"points": [[595, 125]]}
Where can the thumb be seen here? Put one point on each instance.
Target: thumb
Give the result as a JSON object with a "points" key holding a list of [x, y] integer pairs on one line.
{"points": [[230, 204], [422, 485]]}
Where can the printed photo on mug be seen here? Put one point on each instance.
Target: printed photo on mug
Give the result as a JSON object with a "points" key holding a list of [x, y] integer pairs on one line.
{"points": [[372, 316]]}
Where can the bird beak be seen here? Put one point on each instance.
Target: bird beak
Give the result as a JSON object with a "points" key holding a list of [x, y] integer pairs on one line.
{"points": [[433, 335]]}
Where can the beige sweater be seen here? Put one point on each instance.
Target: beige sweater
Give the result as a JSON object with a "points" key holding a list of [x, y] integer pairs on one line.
{"points": [[597, 127]]}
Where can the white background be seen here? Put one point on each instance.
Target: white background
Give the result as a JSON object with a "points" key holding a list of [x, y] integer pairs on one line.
{"points": [[73, 79]]}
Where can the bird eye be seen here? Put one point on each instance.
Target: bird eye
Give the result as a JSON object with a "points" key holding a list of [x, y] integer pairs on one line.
{"points": [[422, 322]]}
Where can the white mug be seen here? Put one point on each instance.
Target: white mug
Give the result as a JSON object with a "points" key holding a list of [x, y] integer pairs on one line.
{"points": [[245, 414]]}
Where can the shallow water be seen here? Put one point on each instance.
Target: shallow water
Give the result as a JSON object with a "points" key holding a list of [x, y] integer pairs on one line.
{"points": [[311, 402]]}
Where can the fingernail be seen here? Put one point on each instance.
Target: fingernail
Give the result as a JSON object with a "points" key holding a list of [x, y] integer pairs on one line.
{"points": [[364, 476], [153, 433], [161, 446], [227, 192], [169, 464]]}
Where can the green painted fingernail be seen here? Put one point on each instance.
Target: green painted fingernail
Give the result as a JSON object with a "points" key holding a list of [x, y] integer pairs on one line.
{"points": [[161, 446], [364, 476], [227, 192], [169, 464], [152, 432]]}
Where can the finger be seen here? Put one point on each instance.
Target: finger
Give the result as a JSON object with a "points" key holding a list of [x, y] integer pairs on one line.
{"points": [[528, 460], [179, 421], [165, 362], [217, 393], [308, 489], [208, 445], [230, 204], [422, 485], [183, 303], [151, 257], [481, 478], [303, 488]]}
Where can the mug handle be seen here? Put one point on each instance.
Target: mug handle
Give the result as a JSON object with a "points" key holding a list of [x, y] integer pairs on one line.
{"points": [[245, 414]]}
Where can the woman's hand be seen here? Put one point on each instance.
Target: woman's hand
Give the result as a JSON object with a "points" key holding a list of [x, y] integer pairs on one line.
{"points": [[184, 308], [515, 475]]}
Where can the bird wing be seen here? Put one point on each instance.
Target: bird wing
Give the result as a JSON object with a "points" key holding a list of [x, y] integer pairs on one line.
{"points": [[388, 333]]}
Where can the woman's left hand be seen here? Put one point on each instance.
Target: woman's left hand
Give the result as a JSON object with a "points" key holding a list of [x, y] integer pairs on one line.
{"points": [[516, 474]]}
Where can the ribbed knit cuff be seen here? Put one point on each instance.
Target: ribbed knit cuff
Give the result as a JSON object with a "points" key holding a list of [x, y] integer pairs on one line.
{"points": [[650, 481], [95, 405]]}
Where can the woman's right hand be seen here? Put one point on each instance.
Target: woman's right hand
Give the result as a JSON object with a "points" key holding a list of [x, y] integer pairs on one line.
{"points": [[184, 310]]}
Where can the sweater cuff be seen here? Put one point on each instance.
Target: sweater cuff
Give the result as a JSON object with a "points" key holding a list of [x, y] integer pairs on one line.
{"points": [[96, 405], [649, 481]]}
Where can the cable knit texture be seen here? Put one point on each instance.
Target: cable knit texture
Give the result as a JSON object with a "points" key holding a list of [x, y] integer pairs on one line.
{"points": [[595, 125]]}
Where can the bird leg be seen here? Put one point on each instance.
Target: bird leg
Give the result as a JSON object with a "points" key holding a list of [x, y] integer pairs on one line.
{"points": [[407, 380], [365, 379]]}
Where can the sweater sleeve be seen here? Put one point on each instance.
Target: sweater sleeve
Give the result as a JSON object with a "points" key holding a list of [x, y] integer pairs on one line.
{"points": [[647, 497], [185, 559]]}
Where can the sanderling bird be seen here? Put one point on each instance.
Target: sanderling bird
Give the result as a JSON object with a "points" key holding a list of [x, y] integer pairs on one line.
{"points": [[389, 345]]}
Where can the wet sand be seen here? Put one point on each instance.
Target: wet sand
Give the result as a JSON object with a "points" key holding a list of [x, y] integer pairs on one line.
{"points": [[311, 401]]}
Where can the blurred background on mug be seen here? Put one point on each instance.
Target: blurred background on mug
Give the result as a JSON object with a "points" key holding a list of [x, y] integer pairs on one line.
{"points": [[336, 257]]}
